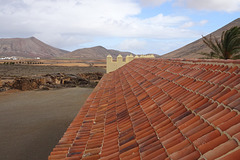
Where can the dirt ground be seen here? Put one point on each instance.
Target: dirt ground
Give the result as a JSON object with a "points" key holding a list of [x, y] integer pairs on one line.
{"points": [[58, 62], [32, 122], [29, 70]]}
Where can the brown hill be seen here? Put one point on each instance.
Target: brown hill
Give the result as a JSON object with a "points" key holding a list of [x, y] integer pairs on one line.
{"points": [[97, 52], [191, 50], [28, 48]]}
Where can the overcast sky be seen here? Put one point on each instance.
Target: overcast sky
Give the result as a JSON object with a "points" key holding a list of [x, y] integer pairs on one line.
{"points": [[139, 26]]}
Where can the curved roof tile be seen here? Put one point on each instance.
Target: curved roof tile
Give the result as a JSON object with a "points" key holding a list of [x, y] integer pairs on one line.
{"points": [[159, 109]]}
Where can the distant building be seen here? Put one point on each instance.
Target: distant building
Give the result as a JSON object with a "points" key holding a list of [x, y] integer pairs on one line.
{"points": [[9, 58], [113, 65]]}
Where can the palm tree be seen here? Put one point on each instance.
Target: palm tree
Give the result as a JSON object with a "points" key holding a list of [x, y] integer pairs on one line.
{"points": [[227, 48]]}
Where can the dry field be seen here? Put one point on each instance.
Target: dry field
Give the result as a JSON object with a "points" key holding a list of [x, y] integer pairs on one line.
{"points": [[34, 67], [59, 62], [32, 122]]}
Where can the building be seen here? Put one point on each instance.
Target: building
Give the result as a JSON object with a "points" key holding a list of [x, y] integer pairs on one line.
{"points": [[159, 109], [113, 65], [9, 58]]}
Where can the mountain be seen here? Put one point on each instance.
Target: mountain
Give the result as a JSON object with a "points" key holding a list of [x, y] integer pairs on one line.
{"points": [[32, 48], [97, 52], [28, 48], [191, 50]]}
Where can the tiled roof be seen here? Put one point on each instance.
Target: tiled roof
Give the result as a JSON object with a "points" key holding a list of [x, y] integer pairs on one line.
{"points": [[159, 109]]}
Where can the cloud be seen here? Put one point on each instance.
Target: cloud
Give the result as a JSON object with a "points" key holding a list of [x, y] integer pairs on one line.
{"points": [[159, 26], [212, 5], [152, 2], [79, 17], [72, 16], [187, 25], [203, 22], [132, 44], [66, 23], [156, 46], [191, 24], [63, 40]]}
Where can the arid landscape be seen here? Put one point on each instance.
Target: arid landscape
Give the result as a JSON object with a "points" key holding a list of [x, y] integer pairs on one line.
{"points": [[33, 120], [10, 70], [66, 94], [40, 67], [42, 88], [40, 94]]}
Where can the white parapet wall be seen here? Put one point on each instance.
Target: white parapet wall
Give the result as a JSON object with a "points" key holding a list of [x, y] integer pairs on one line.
{"points": [[113, 65]]}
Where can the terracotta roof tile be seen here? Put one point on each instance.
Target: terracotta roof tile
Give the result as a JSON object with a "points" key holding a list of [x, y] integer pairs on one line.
{"points": [[237, 136], [231, 122], [232, 155], [221, 149], [206, 138], [179, 146], [159, 109], [212, 144], [183, 152], [224, 118], [191, 156], [235, 104], [174, 140], [234, 129], [201, 133]]}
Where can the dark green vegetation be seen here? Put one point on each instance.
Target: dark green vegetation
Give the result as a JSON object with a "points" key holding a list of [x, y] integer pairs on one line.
{"points": [[227, 48]]}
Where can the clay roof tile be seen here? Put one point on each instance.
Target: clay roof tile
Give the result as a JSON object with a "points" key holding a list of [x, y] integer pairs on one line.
{"points": [[159, 109]]}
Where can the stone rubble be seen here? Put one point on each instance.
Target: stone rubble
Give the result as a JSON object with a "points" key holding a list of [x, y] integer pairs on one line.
{"points": [[49, 81]]}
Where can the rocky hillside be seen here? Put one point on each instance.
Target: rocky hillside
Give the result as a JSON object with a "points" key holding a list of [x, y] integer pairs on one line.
{"points": [[191, 50], [97, 52], [28, 48]]}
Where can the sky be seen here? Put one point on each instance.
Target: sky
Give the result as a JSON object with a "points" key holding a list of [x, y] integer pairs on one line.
{"points": [[138, 26]]}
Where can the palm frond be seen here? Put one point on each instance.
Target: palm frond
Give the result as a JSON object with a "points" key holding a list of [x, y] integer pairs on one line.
{"points": [[227, 47]]}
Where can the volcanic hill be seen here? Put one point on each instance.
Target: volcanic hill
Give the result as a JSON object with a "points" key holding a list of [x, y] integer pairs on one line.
{"points": [[32, 48], [28, 48], [97, 52], [191, 50]]}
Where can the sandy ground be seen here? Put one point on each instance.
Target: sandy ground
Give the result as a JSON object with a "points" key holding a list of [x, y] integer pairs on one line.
{"points": [[32, 122]]}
